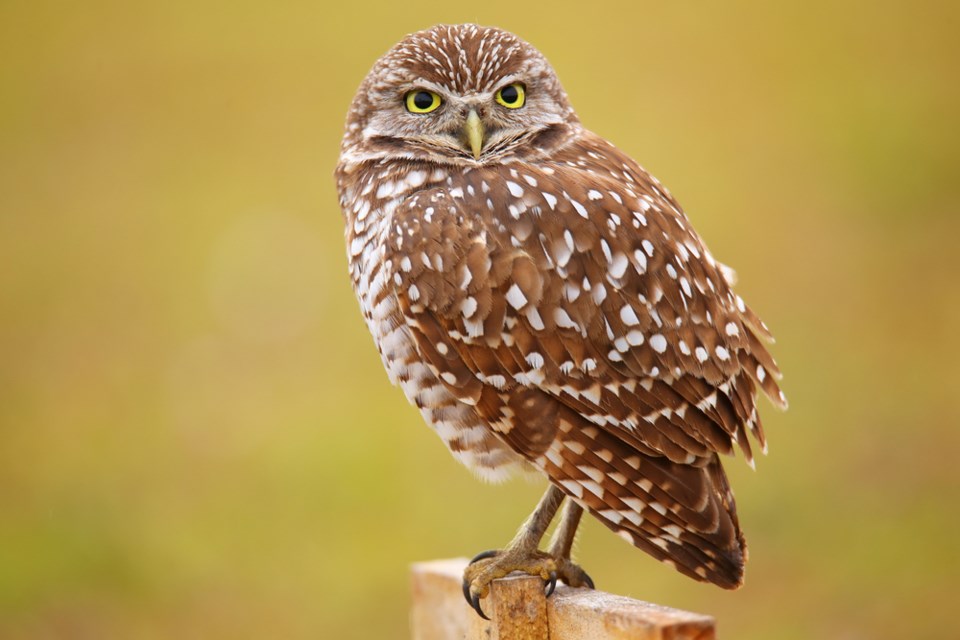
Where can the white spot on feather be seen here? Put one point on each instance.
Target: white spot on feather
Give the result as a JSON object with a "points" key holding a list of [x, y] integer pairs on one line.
{"points": [[593, 487], [386, 189], [580, 208], [612, 515], [575, 446], [618, 266], [641, 259], [416, 178], [563, 319], [599, 293], [605, 246], [628, 316], [591, 472], [658, 343], [575, 488], [533, 317], [515, 297], [515, 190]]}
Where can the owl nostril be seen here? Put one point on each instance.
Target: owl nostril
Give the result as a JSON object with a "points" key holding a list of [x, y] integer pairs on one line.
{"points": [[473, 104]]}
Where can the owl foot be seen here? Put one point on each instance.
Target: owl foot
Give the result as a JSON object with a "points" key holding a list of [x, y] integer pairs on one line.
{"points": [[523, 553], [572, 575], [490, 565]]}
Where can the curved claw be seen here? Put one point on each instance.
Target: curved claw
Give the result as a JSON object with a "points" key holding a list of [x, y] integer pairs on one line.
{"points": [[483, 555], [474, 600], [475, 603], [551, 584], [589, 580]]}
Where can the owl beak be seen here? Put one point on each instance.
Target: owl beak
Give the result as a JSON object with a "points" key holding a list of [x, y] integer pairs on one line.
{"points": [[473, 128]]}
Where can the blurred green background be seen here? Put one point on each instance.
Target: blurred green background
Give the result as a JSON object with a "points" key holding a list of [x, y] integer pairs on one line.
{"points": [[197, 439]]}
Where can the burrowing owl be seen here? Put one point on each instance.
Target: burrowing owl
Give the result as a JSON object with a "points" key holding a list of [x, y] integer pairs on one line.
{"points": [[547, 305]]}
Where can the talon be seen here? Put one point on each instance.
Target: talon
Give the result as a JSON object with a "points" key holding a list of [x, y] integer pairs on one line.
{"points": [[475, 603], [551, 584], [491, 565], [588, 580], [483, 555]]}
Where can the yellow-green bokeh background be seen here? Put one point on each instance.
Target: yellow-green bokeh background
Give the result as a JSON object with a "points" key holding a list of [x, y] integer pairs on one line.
{"points": [[196, 436]]}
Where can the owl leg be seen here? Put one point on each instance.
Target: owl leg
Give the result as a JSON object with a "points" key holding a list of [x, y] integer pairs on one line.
{"points": [[561, 547], [521, 554]]}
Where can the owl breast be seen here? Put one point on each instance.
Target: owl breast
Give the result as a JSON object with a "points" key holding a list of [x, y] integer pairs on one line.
{"points": [[378, 192]]}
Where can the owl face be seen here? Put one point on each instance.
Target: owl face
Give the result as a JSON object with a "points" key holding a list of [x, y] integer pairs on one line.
{"points": [[459, 95]]}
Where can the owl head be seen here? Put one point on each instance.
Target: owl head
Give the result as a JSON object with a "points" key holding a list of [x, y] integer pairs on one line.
{"points": [[459, 94]]}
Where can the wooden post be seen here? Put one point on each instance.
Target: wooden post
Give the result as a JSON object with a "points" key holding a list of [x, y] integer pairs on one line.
{"points": [[519, 611]]}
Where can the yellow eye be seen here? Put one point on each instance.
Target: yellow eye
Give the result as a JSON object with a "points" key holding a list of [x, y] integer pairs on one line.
{"points": [[421, 101], [512, 96]]}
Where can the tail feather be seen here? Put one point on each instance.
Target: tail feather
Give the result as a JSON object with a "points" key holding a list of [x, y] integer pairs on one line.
{"points": [[682, 514]]}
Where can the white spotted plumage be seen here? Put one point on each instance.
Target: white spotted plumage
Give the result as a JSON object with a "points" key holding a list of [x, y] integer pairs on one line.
{"points": [[546, 304]]}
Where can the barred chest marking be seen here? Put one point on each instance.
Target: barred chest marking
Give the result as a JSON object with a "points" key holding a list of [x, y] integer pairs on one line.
{"points": [[373, 197]]}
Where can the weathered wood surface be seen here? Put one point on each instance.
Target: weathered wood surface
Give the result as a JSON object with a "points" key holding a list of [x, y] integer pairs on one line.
{"points": [[519, 611]]}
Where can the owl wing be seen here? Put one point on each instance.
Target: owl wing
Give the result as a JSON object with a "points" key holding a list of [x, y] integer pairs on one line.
{"points": [[575, 308]]}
